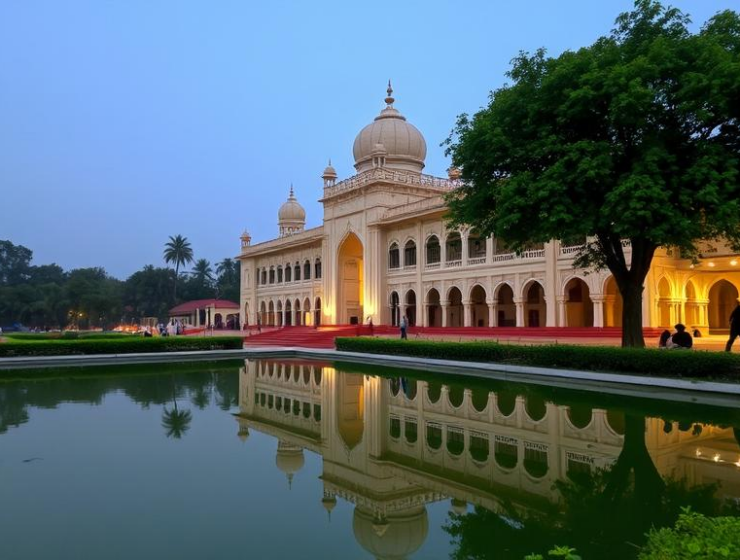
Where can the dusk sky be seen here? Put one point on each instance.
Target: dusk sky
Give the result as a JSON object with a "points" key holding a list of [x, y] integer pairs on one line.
{"points": [[125, 121]]}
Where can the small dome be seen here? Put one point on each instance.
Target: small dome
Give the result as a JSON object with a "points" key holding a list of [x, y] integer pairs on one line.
{"points": [[329, 172], [243, 433], [289, 459], [403, 144], [291, 210], [395, 537]]}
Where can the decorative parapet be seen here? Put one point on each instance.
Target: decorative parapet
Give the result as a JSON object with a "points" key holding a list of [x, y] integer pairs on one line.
{"points": [[390, 176], [307, 236], [414, 208]]}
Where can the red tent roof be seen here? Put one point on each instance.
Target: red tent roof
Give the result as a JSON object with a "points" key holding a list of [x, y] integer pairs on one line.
{"points": [[189, 306]]}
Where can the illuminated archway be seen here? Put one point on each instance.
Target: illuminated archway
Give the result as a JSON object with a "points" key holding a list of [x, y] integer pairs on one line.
{"points": [[612, 304], [579, 309], [535, 308], [723, 297], [350, 267], [505, 306]]}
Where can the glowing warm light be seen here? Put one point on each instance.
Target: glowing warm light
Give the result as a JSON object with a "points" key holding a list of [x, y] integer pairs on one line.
{"points": [[733, 262], [691, 266], [710, 264], [698, 452], [716, 458]]}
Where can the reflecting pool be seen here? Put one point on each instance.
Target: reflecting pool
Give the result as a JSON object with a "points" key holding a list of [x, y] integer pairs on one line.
{"points": [[289, 459]]}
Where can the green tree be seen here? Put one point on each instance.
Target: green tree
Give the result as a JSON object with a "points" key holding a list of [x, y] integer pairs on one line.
{"points": [[147, 292], [14, 263], [178, 251], [632, 141], [228, 280], [203, 272]]}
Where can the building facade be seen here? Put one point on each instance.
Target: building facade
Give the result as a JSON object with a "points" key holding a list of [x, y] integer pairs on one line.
{"points": [[384, 251]]}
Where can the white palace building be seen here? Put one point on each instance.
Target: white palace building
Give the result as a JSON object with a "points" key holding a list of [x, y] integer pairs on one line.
{"points": [[384, 250]]}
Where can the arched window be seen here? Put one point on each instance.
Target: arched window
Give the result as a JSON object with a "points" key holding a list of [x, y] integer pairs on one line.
{"points": [[434, 253], [297, 272], [288, 273], [317, 268], [453, 245], [264, 277], [476, 246], [409, 253], [280, 274], [272, 275], [394, 258], [257, 276], [307, 270]]}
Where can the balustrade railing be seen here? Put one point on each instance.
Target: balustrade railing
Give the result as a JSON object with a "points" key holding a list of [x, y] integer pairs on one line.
{"points": [[391, 175]]}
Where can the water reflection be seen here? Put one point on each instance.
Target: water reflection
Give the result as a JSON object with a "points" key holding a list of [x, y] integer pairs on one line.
{"points": [[538, 467]]}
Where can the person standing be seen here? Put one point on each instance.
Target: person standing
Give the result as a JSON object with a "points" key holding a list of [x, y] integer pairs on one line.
{"points": [[404, 325], [734, 328]]}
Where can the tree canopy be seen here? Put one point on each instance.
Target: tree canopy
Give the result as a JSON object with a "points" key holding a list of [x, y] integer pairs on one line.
{"points": [[633, 142]]}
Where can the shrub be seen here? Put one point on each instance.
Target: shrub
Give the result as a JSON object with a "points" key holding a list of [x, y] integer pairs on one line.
{"points": [[695, 537], [118, 345], [669, 363], [67, 335]]}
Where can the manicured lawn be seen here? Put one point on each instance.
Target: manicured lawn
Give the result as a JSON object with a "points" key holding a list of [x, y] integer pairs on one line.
{"points": [[662, 363]]}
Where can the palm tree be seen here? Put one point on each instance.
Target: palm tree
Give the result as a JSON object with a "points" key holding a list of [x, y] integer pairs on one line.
{"points": [[203, 272], [178, 250], [176, 422], [225, 269]]}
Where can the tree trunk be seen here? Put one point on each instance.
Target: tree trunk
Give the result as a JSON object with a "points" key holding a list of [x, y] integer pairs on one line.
{"points": [[632, 316], [174, 294]]}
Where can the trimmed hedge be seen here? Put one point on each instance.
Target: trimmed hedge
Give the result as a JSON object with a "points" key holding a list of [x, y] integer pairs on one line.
{"points": [[654, 362], [120, 345], [67, 335]]}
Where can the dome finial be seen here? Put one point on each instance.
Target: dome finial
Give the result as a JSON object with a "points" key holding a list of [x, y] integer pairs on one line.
{"points": [[291, 195], [389, 100]]}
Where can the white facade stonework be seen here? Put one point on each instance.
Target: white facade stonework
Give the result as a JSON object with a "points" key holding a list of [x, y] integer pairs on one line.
{"points": [[384, 251]]}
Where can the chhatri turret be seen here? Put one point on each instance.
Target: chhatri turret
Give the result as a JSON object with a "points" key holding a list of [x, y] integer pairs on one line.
{"points": [[291, 216]]}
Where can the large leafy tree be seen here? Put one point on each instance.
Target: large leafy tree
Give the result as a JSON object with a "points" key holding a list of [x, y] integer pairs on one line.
{"points": [[632, 142], [178, 251]]}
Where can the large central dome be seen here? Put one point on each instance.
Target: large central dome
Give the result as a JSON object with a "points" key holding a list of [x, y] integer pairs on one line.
{"points": [[389, 141]]}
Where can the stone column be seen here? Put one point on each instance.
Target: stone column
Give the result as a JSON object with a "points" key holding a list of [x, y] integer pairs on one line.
{"points": [[464, 237], [519, 303], [598, 302], [467, 315], [491, 313], [444, 314], [562, 312]]}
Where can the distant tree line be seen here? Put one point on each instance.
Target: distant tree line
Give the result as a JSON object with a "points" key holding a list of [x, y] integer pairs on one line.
{"points": [[47, 296]]}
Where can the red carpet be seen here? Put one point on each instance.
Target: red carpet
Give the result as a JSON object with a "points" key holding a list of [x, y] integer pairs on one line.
{"points": [[323, 337]]}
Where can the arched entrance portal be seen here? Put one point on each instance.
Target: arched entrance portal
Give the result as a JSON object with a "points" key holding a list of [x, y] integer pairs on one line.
{"points": [[434, 310], [579, 309], [395, 310], [288, 313], [612, 304], [317, 312], [722, 300], [535, 309], [454, 308], [351, 409], [478, 307], [506, 307], [350, 268], [665, 305], [411, 308]]}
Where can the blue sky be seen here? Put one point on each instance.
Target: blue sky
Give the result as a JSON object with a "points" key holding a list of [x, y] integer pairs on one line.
{"points": [[124, 122]]}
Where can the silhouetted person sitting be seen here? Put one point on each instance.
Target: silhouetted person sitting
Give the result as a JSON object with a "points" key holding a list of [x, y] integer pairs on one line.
{"points": [[664, 338], [681, 338]]}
